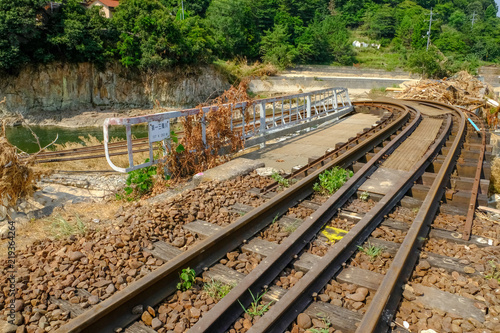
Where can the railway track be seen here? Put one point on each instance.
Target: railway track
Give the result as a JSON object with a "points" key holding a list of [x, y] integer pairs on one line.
{"points": [[281, 252]]}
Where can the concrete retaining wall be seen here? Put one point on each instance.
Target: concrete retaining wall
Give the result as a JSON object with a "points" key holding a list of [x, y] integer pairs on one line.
{"points": [[296, 84]]}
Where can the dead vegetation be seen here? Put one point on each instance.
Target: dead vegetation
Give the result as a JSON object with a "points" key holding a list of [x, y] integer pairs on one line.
{"points": [[17, 175], [239, 69], [195, 155], [495, 175]]}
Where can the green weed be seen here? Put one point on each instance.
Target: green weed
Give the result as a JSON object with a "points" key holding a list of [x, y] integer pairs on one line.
{"points": [[494, 271], [187, 278], [280, 179], [371, 250], [291, 227], [61, 228], [364, 196], [321, 330], [139, 182], [255, 308], [217, 290], [331, 180], [378, 89]]}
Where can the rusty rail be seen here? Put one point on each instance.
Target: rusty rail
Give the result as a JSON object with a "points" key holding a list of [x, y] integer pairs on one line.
{"points": [[229, 308], [116, 311], [475, 186], [296, 299], [383, 306], [320, 161]]}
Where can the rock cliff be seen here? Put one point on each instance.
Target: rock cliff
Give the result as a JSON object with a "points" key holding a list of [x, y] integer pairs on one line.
{"points": [[85, 86]]}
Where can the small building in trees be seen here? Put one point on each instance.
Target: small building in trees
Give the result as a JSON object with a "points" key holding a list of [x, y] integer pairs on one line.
{"points": [[108, 6]]}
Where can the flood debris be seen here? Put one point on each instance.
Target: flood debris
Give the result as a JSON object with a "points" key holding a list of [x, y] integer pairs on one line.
{"points": [[463, 90], [18, 175]]}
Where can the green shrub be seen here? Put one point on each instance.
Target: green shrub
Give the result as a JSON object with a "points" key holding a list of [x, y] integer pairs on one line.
{"points": [[139, 182], [331, 180], [187, 278]]}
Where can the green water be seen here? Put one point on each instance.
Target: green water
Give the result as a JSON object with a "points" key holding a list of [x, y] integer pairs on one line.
{"points": [[22, 138]]}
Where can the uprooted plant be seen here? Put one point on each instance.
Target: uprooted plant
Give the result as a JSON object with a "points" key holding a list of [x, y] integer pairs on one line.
{"points": [[197, 155], [17, 172]]}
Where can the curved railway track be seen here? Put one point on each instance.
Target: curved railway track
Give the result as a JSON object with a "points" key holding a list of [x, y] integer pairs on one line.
{"points": [[369, 154]]}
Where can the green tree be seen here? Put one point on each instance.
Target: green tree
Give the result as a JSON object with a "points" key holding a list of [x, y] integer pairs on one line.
{"points": [[352, 10], [457, 19], [293, 24], [151, 36], [264, 13], [78, 34], [276, 48], [233, 28], [405, 31], [491, 11], [20, 36], [306, 10], [381, 23], [451, 41], [326, 41], [428, 63]]}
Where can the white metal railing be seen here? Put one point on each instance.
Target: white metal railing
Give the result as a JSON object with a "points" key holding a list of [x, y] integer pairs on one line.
{"points": [[255, 118]]}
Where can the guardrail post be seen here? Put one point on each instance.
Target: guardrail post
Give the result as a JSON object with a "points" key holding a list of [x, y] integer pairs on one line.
{"points": [[335, 104], [347, 97], [204, 129], [262, 122], [128, 130], [262, 118], [308, 107]]}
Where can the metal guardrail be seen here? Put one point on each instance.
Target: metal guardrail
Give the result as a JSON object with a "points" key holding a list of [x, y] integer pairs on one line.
{"points": [[255, 118]]}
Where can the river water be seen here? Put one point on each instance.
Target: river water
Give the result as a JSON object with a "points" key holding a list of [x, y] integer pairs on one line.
{"points": [[22, 138]]}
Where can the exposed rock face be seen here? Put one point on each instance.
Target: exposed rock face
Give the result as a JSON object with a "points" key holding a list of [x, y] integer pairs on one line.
{"points": [[59, 87]]}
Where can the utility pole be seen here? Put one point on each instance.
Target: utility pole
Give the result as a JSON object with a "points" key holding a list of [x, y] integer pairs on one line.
{"points": [[429, 31], [473, 18]]}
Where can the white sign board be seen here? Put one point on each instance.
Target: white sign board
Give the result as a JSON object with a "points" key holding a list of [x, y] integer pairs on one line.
{"points": [[159, 130]]}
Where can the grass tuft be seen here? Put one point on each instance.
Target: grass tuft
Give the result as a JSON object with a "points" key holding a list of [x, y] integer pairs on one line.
{"points": [[217, 290], [493, 271], [371, 250], [256, 309], [62, 228]]}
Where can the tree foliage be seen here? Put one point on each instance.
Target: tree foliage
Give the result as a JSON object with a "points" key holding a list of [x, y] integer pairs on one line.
{"points": [[276, 47], [151, 34]]}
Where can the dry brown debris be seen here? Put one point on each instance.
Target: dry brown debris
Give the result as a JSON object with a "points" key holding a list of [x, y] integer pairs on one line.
{"points": [[463, 90], [198, 156], [17, 176]]}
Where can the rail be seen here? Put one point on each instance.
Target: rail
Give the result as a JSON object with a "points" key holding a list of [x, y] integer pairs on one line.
{"points": [[383, 306], [254, 118], [151, 289]]}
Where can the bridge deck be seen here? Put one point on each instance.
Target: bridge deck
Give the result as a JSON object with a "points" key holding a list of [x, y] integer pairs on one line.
{"points": [[284, 155]]}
